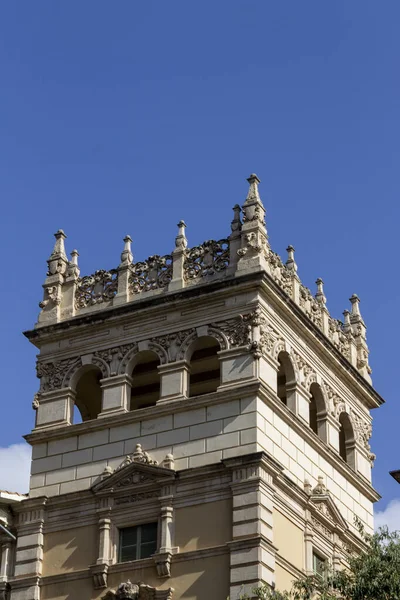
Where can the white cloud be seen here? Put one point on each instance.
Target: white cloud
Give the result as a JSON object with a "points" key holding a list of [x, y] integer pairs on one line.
{"points": [[390, 516], [15, 465]]}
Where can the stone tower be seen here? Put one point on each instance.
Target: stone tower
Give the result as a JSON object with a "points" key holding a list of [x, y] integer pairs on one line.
{"points": [[202, 426]]}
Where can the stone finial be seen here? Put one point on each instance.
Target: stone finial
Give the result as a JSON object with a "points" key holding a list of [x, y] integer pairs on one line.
{"points": [[58, 260], [320, 296], [307, 487], [126, 254], [180, 240], [346, 322], [236, 223], [355, 316], [168, 462], [253, 193], [107, 472], [291, 263], [320, 488], [73, 268]]}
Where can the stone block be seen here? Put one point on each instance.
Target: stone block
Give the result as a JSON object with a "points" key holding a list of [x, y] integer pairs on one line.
{"points": [[175, 436], [156, 425], [125, 432], [248, 572], [32, 539], [65, 445], [189, 449], [29, 554], [39, 450], [239, 422], [205, 459], [246, 499], [94, 438], [220, 442], [147, 441], [75, 486], [223, 411], [241, 450], [108, 451], [189, 417], [36, 481], [61, 476], [204, 430], [248, 404], [47, 490], [50, 463], [181, 463], [248, 436], [237, 368], [91, 469], [79, 457], [245, 529]]}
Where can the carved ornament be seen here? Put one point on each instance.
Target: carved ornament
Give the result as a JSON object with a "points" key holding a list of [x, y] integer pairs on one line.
{"points": [[138, 591], [100, 287], [152, 274], [209, 258]]}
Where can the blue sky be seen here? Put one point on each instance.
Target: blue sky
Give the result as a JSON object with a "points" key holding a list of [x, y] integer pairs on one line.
{"points": [[125, 117]]}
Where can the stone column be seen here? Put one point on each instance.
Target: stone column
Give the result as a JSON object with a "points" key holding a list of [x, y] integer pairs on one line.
{"points": [[174, 381], [55, 408], [268, 371], [308, 540], [252, 553], [69, 288], [332, 432], [116, 395], [5, 561], [163, 557]]}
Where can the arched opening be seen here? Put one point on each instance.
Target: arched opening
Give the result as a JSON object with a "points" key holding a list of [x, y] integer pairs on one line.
{"points": [[205, 373], [145, 389], [346, 439], [317, 411], [286, 380], [88, 394]]}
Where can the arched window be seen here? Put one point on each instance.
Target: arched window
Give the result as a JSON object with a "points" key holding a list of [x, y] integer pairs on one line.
{"points": [[145, 390], [286, 381], [346, 439], [205, 374], [317, 411], [88, 394]]}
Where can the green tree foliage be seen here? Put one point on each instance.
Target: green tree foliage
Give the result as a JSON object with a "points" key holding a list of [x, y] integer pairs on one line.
{"points": [[373, 575]]}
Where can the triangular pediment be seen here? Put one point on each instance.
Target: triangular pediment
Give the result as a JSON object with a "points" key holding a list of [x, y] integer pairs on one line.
{"points": [[136, 470], [325, 510]]}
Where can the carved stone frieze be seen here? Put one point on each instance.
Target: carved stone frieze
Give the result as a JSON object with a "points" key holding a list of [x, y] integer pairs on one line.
{"points": [[303, 368], [311, 306], [52, 374], [152, 274], [139, 497], [112, 357], [100, 287], [321, 527], [237, 330], [333, 398], [362, 430], [172, 342], [138, 591], [209, 258]]}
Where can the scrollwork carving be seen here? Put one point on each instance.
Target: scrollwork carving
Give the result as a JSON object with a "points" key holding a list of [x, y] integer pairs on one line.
{"points": [[207, 259], [52, 374], [100, 287], [151, 274]]}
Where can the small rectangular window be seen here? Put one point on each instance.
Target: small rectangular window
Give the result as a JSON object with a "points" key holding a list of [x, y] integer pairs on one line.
{"points": [[137, 542], [319, 565]]}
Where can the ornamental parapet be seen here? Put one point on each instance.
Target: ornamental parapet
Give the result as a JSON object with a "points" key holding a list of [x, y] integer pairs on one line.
{"points": [[245, 250]]}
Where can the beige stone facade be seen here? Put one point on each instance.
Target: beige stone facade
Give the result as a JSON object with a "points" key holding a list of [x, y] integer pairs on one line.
{"points": [[204, 403]]}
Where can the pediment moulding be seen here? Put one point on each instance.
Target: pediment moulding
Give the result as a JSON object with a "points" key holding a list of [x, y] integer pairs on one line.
{"points": [[246, 249]]}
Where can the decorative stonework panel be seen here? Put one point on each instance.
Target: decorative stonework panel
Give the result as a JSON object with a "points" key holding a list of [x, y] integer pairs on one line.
{"points": [[209, 258], [311, 306], [52, 374], [138, 591], [100, 287], [152, 274]]}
